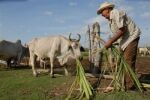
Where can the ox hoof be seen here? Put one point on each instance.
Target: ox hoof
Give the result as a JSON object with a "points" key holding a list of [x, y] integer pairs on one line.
{"points": [[67, 74], [52, 76], [35, 74]]}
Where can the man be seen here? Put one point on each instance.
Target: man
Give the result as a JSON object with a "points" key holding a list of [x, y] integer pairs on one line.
{"points": [[126, 32]]}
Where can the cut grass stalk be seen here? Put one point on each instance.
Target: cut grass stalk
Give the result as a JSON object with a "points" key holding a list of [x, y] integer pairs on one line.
{"points": [[81, 82], [146, 85]]}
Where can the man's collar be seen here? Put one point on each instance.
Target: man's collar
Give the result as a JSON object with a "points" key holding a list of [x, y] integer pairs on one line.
{"points": [[111, 14]]}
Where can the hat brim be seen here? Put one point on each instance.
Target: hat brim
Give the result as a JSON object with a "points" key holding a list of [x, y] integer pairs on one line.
{"points": [[99, 11]]}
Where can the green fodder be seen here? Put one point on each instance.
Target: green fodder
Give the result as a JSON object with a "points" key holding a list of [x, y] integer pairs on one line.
{"points": [[85, 89]]}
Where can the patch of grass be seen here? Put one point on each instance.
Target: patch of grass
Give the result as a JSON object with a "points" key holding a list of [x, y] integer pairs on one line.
{"points": [[122, 96], [85, 54], [21, 85]]}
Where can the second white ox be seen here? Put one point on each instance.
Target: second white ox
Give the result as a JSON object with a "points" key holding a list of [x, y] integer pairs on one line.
{"points": [[143, 51], [53, 47]]}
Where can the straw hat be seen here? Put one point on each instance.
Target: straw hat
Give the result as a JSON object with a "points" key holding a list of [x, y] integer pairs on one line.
{"points": [[105, 5]]}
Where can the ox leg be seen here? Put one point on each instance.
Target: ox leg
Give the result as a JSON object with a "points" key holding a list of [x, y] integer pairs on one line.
{"points": [[9, 63], [52, 72], [32, 61], [41, 63], [66, 71], [19, 58]]}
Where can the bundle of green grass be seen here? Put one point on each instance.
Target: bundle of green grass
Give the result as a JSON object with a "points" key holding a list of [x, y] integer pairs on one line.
{"points": [[121, 68], [82, 83]]}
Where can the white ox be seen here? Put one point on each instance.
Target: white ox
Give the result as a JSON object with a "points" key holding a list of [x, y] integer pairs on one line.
{"points": [[11, 51], [143, 51], [53, 47]]}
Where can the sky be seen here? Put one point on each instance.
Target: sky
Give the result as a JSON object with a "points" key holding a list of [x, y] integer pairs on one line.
{"points": [[27, 19]]}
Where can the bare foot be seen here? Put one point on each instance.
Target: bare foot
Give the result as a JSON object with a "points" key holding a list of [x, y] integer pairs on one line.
{"points": [[108, 89]]}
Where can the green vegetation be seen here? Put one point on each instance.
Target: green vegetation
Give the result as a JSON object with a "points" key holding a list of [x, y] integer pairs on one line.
{"points": [[85, 54], [122, 96], [21, 85], [81, 82]]}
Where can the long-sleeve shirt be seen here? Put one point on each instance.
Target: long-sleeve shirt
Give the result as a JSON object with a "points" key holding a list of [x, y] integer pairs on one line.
{"points": [[119, 19]]}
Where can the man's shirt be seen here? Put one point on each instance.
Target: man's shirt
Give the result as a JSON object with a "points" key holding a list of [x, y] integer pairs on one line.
{"points": [[119, 19]]}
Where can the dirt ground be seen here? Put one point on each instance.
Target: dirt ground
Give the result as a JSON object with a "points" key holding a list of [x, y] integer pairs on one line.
{"points": [[143, 65]]}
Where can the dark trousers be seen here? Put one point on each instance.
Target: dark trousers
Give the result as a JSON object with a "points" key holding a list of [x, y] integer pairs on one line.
{"points": [[130, 56]]}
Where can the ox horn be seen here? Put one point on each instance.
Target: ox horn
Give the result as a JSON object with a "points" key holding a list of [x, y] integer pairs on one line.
{"points": [[74, 39], [79, 37], [70, 37]]}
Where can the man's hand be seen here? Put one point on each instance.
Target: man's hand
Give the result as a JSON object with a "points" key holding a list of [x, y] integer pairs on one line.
{"points": [[108, 44], [119, 34]]}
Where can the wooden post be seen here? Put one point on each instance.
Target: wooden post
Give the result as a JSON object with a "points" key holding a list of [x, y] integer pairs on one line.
{"points": [[96, 58], [90, 49]]}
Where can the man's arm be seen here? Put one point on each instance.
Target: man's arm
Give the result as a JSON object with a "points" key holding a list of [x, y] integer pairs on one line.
{"points": [[120, 33]]}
